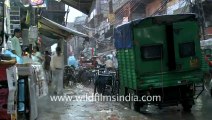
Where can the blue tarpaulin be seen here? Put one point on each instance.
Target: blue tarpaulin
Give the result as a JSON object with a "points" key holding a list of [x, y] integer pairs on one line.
{"points": [[72, 61], [18, 59], [123, 36]]}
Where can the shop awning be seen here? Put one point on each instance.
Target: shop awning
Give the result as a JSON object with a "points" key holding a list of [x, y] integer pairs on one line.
{"points": [[54, 30], [46, 41], [81, 5]]}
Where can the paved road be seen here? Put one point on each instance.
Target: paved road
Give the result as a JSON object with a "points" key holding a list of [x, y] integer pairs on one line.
{"points": [[81, 110]]}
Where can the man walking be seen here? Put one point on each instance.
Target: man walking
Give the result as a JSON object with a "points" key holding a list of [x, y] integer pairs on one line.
{"points": [[57, 65]]}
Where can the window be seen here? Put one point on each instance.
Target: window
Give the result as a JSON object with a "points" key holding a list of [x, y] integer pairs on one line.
{"points": [[187, 49], [151, 52]]}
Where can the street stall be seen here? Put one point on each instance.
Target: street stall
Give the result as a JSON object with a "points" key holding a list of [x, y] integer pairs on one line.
{"points": [[8, 80], [20, 87], [8, 71], [21, 82], [55, 31], [32, 86]]}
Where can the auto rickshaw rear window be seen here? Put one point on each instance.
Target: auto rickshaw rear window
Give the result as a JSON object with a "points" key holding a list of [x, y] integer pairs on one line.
{"points": [[187, 49], [152, 52]]}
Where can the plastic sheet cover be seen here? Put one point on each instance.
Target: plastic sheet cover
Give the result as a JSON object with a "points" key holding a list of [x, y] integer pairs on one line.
{"points": [[123, 36]]}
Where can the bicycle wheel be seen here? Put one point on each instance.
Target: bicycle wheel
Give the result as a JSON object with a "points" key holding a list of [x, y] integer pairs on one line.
{"points": [[207, 81], [86, 80]]}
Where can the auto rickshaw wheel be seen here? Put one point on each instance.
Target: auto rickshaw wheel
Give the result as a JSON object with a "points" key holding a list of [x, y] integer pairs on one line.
{"points": [[186, 107], [134, 106], [211, 91]]}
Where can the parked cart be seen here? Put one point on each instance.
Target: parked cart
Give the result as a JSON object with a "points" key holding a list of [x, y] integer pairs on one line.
{"points": [[160, 56]]}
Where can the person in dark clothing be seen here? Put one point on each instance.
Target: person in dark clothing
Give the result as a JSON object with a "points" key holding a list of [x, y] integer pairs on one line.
{"points": [[47, 60]]}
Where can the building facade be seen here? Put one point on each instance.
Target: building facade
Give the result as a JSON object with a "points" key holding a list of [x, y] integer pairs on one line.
{"points": [[102, 18], [207, 6]]}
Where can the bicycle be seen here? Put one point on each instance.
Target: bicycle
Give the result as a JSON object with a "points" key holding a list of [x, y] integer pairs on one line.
{"points": [[106, 80], [86, 76], [69, 76]]}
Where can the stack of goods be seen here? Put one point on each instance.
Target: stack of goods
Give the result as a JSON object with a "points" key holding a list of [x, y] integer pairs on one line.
{"points": [[24, 69], [7, 60], [24, 73], [41, 84], [27, 105]]}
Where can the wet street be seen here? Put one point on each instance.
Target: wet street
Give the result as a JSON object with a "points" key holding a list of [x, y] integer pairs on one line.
{"points": [[72, 110]]}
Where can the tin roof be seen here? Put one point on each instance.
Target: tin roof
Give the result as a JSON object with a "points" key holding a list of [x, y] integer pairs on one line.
{"points": [[81, 5], [54, 30]]}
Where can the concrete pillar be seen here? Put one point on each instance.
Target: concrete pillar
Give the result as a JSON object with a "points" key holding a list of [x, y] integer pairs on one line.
{"points": [[65, 43]]}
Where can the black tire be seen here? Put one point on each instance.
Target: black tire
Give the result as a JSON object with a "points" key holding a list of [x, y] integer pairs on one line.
{"points": [[116, 88], [134, 106], [186, 107], [72, 79], [98, 88], [95, 89], [211, 92], [1, 41], [101, 89], [160, 107], [86, 80], [65, 82]]}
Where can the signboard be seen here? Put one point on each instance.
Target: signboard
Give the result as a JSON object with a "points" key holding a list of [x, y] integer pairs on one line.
{"points": [[36, 2]]}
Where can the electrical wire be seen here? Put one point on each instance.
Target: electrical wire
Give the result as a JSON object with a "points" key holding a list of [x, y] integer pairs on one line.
{"points": [[135, 6], [120, 13], [67, 12], [132, 6], [131, 3]]}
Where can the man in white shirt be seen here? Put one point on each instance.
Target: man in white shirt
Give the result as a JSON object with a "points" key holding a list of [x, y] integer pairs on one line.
{"points": [[109, 63], [57, 65], [115, 61], [16, 43]]}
